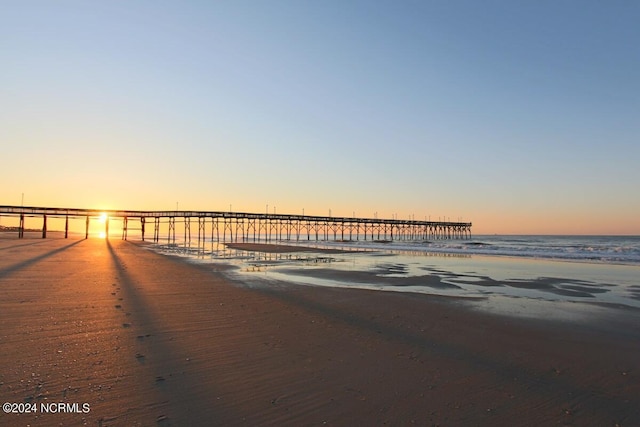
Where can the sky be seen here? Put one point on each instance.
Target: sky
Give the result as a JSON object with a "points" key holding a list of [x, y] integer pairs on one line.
{"points": [[520, 117]]}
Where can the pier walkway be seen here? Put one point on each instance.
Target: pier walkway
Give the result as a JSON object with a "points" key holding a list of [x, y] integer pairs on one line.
{"points": [[243, 226]]}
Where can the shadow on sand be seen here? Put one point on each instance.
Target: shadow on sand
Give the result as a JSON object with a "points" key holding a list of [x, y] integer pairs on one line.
{"points": [[27, 263]]}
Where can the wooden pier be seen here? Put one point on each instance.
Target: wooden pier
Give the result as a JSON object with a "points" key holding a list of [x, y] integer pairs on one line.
{"points": [[242, 226]]}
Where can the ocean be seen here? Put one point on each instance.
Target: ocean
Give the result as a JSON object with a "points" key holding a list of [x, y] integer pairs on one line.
{"points": [[600, 249], [555, 276]]}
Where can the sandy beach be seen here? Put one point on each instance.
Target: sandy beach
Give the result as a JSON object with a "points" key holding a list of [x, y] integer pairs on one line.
{"points": [[142, 339]]}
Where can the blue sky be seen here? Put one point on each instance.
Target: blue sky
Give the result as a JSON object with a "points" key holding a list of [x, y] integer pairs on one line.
{"points": [[522, 117]]}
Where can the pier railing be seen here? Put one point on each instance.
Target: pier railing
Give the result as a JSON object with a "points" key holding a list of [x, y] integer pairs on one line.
{"points": [[244, 226]]}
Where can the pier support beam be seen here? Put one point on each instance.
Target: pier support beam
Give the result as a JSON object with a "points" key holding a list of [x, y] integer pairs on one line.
{"points": [[86, 230], [125, 221], [201, 230], [187, 231], [44, 226], [171, 238], [156, 229], [66, 226]]}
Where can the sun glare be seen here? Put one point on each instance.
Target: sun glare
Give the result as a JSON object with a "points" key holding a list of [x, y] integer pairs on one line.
{"points": [[103, 218]]}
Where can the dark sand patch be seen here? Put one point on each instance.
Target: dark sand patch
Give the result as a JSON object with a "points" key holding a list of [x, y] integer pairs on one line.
{"points": [[634, 292], [554, 285]]}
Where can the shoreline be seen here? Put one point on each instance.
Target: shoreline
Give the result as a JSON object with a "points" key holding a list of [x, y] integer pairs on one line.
{"points": [[471, 276], [151, 339]]}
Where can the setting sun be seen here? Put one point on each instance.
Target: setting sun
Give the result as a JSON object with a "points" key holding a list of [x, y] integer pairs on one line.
{"points": [[103, 218]]}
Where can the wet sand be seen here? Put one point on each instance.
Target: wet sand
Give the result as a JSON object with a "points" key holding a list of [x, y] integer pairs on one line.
{"points": [[279, 248], [151, 340]]}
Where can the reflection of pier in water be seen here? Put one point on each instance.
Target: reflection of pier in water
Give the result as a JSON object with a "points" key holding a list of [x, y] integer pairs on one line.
{"points": [[430, 254], [245, 227]]}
